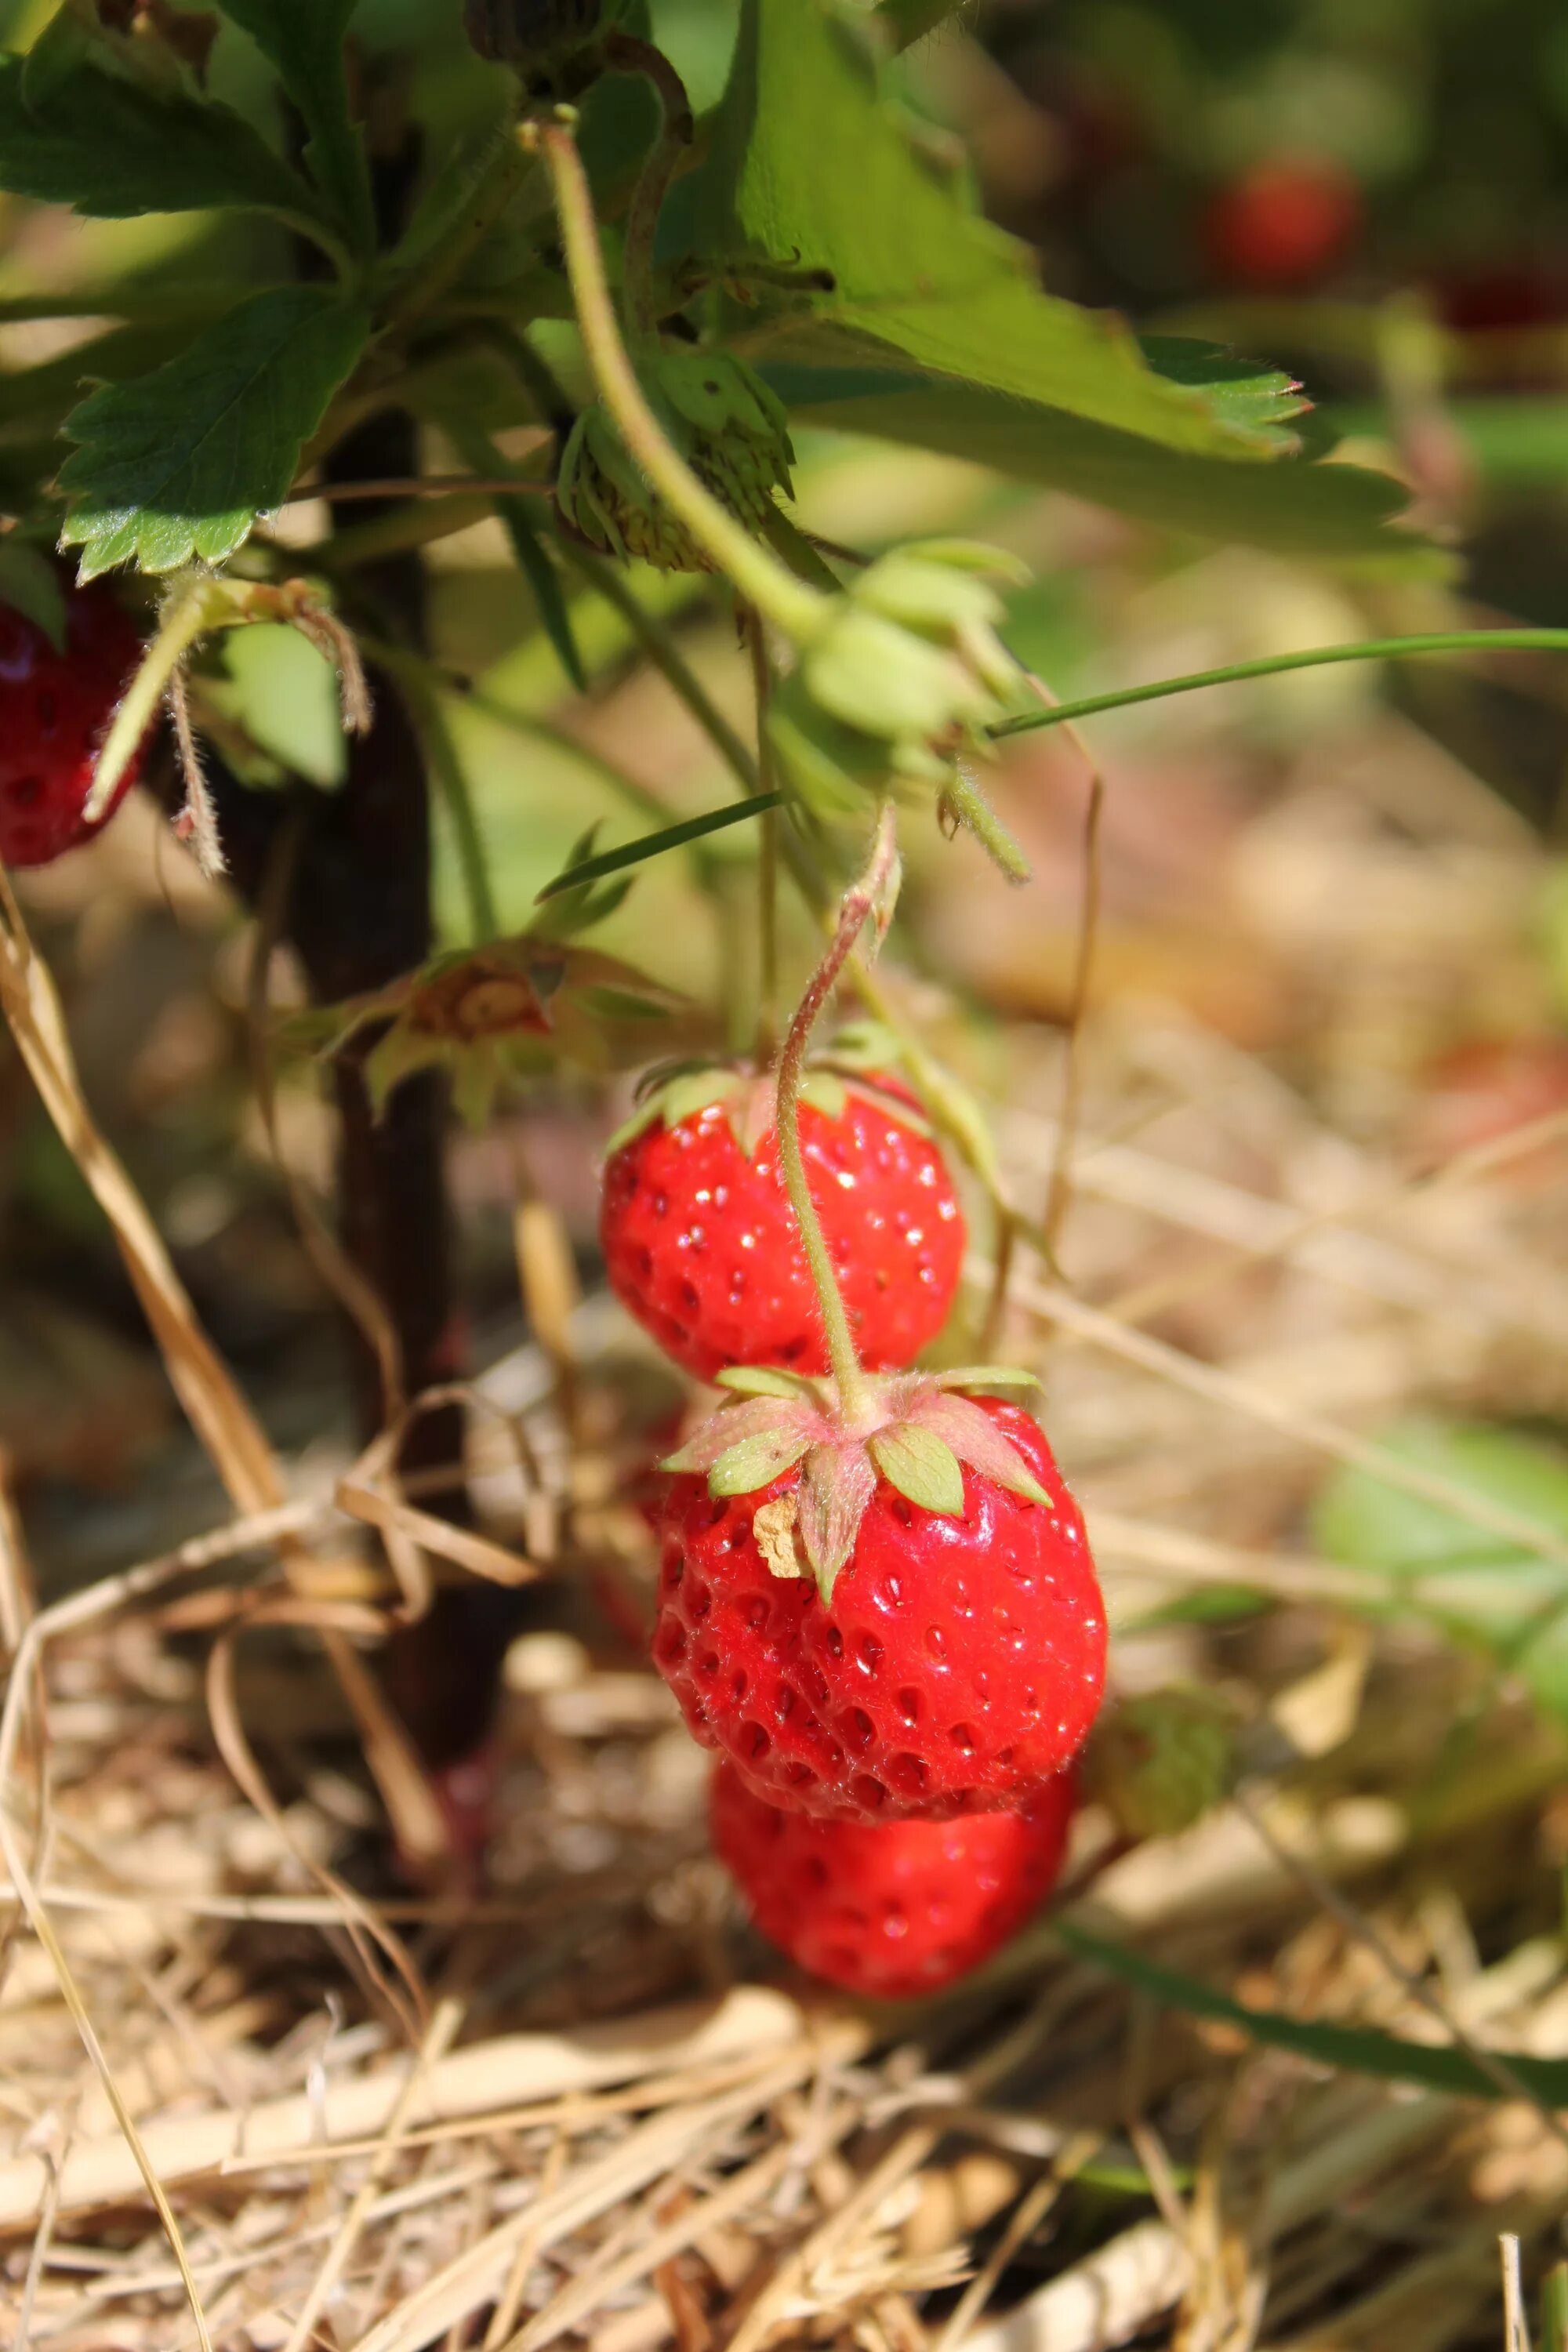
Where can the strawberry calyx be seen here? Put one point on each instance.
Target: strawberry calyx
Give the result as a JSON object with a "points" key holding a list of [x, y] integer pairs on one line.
{"points": [[674, 1091], [917, 1430]]}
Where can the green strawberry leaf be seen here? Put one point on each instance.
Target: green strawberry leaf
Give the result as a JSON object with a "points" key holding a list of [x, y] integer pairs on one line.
{"points": [[913, 272], [178, 464], [1251, 397], [1422, 1559], [303, 40], [923, 1466], [1339, 513], [113, 149], [31, 586]]}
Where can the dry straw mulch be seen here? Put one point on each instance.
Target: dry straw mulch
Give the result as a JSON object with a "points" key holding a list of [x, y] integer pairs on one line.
{"points": [[244, 2103]]}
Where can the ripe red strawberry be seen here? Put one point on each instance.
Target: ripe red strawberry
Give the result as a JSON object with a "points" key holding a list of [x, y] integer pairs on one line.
{"points": [[701, 1245], [1283, 223], [866, 1628], [889, 1908], [55, 709]]}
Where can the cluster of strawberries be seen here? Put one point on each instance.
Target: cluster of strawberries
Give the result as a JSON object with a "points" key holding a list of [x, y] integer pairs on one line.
{"points": [[881, 1609]]}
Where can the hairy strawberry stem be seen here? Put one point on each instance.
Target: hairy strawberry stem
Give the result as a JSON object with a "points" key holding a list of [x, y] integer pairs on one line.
{"points": [[868, 896], [191, 608], [757, 576]]}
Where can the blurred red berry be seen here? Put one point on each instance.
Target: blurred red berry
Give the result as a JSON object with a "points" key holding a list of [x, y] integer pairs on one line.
{"points": [[1283, 224], [55, 710]]}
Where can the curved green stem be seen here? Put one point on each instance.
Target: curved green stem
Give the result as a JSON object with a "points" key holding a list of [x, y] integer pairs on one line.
{"points": [[759, 577], [628, 54], [867, 896], [1446, 641]]}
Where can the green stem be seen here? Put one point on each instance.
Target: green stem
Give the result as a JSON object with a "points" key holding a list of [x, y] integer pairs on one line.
{"points": [[629, 55], [1446, 641], [767, 855], [866, 895], [800, 611], [660, 648]]}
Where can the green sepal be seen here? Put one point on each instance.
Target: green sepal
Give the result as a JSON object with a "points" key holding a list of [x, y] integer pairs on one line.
{"points": [[974, 1437], [825, 1093], [757, 1461], [686, 1088], [836, 1489], [923, 1466], [762, 1380], [983, 1377]]}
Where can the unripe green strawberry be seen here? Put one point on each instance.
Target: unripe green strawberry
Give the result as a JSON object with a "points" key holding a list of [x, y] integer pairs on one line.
{"points": [[726, 424], [908, 673]]}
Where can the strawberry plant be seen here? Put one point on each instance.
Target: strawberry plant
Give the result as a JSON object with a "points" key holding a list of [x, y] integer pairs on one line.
{"points": [[494, 264]]}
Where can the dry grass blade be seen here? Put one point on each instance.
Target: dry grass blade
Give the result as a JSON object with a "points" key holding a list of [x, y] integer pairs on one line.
{"points": [[218, 1413], [1056, 1306], [366, 1933], [487, 2078], [1058, 1193], [649, 2153], [445, 2024], [43, 1928]]}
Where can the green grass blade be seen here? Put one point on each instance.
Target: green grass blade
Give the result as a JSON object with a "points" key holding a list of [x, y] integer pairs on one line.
{"points": [[654, 844]]}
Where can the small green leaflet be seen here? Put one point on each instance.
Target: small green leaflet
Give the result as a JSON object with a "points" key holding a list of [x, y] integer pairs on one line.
{"points": [[179, 464], [113, 149], [916, 274], [1353, 2049], [304, 39]]}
